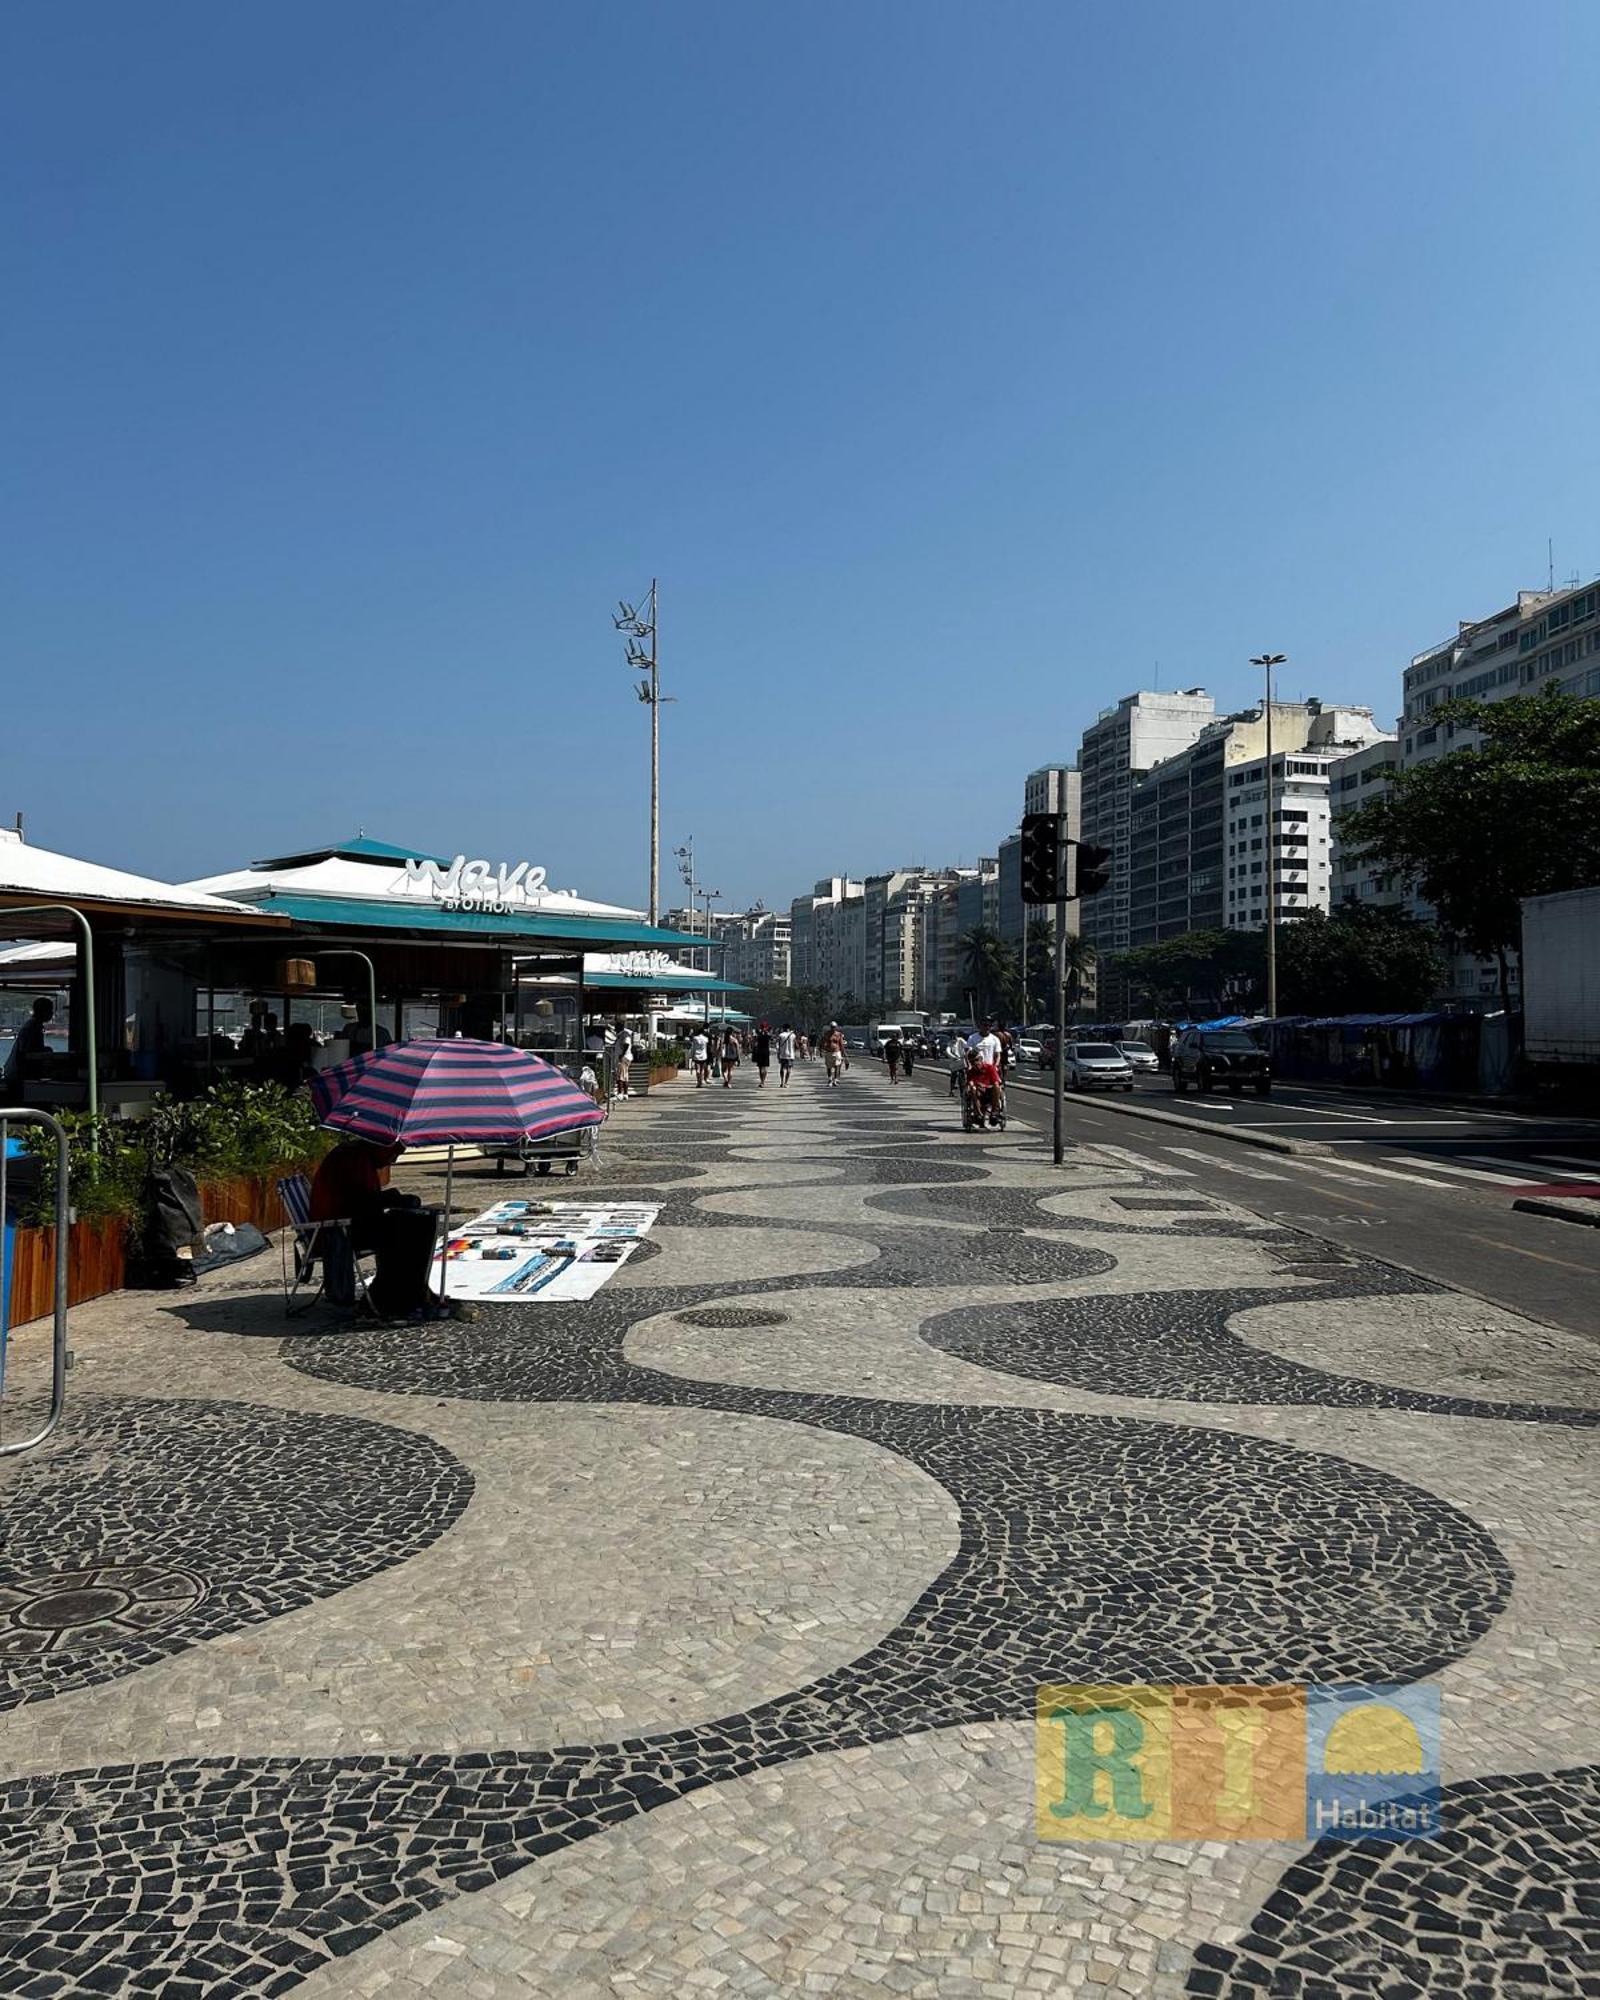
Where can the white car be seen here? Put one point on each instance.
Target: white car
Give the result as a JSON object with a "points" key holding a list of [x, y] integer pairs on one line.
{"points": [[1097, 1066], [1030, 1051], [1141, 1057]]}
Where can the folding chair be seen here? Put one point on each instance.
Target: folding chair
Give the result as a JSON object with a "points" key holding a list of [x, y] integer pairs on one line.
{"points": [[310, 1249]]}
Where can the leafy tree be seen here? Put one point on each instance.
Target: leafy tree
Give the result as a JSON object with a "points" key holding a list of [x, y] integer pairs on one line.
{"points": [[1358, 961], [1476, 830], [1219, 969], [992, 971], [1039, 957], [1081, 958]]}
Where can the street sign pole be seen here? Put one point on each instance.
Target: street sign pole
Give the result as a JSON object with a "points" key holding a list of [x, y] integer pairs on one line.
{"points": [[1063, 865]]}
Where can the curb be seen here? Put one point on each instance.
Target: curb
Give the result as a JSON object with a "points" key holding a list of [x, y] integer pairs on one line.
{"points": [[1587, 1216], [1263, 1141]]}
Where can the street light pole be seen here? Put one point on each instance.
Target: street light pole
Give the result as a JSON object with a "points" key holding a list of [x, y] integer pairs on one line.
{"points": [[637, 627], [1267, 662]]}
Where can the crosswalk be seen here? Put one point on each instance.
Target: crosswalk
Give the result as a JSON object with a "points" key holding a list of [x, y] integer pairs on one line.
{"points": [[1487, 1171]]}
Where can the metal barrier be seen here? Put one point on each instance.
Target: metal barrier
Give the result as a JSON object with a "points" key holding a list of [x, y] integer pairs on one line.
{"points": [[58, 1348]]}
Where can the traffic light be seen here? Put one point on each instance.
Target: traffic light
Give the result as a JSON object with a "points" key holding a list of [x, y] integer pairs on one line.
{"points": [[1041, 858], [1094, 868]]}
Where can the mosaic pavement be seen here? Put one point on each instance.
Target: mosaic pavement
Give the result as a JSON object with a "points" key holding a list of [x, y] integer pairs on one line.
{"points": [[688, 1641]]}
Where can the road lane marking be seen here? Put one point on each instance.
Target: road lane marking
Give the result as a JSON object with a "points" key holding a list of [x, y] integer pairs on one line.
{"points": [[1379, 1173], [1144, 1162], [1543, 1257], [1526, 1168], [1466, 1173], [1571, 1160], [1227, 1166]]}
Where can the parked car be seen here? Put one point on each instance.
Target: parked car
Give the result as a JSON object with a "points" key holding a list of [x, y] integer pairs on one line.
{"points": [[1209, 1057], [1030, 1050], [1096, 1066], [1141, 1057]]}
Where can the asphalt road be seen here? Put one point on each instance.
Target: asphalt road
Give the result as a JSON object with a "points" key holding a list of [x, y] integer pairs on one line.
{"points": [[1430, 1186]]}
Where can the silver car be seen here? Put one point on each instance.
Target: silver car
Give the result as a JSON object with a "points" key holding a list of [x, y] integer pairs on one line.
{"points": [[1140, 1056], [1097, 1066]]}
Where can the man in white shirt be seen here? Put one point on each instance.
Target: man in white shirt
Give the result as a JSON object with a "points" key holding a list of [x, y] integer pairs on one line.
{"points": [[785, 1054], [986, 1046], [700, 1056]]}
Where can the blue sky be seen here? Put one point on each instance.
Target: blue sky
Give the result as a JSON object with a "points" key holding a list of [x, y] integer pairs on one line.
{"points": [[951, 365]]}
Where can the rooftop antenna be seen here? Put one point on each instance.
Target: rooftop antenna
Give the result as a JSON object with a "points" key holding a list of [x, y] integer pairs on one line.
{"points": [[1550, 551]]}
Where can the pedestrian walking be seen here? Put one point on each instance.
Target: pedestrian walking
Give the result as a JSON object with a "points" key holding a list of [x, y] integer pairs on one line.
{"points": [[761, 1054], [957, 1054], [786, 1047], [833, 1054], [730, 1058], [893, 1050], [700, 1056], [908, 1052], [624, 1060]]}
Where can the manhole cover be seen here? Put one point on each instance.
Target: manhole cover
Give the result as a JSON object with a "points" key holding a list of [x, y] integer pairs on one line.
{"points": [[733, 1316], [80, 1607]]}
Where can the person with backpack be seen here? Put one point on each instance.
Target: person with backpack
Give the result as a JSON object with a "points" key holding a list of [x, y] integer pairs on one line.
{"points": [[893, 1050], [761, 1054], [730, 1057]]}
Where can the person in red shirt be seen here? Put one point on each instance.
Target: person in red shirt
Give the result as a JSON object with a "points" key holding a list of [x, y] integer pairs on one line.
{"points": [[983, 1081], [350, 1183]]}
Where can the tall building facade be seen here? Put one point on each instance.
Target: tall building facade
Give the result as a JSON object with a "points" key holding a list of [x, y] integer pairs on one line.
{"points": [[1545, 638], [1181, 812], [757, 946], [820, 951], [1352, 781], [1118, 747], [1300, 837]]}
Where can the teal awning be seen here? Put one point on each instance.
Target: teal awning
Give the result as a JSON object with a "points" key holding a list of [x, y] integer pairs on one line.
{"points": [[641, 982], [353, 913]]}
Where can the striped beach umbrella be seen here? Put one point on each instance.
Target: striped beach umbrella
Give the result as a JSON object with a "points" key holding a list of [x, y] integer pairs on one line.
{"points": [[450, 1093], [436, 1093]]}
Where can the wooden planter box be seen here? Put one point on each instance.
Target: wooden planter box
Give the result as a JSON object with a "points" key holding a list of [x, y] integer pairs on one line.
{"points": [[97, 1250], [96, 1263], [662, 1073]]}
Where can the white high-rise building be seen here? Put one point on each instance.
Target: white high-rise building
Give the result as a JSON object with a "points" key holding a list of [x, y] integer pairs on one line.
{"points": [[1301, 833], [820, 945], [1121, 744]]}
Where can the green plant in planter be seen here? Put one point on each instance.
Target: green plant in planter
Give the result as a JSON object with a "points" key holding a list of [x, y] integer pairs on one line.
{"points": [[235, 1129]]}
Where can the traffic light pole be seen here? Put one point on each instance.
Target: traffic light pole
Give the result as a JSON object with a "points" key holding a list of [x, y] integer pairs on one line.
{"points": [[1063, 883]]}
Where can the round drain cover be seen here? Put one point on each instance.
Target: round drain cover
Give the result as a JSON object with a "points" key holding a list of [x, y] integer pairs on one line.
{"points": [[73, 1608]]}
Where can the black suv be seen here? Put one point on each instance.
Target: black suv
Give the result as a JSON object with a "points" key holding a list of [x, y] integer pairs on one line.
{"points": [[1207, 1057]]}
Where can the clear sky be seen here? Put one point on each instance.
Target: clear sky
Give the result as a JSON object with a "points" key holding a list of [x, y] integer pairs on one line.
{"points": [[953, 366]]}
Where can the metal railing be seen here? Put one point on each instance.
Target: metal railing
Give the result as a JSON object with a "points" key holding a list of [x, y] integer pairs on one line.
{"points": [[58, 1344]]}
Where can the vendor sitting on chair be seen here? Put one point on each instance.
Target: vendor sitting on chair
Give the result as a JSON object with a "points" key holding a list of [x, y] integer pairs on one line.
{"points": [[350, 1183]]}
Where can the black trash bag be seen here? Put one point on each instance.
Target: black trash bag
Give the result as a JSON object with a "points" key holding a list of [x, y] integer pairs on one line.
{"points": [[164, 1256]]}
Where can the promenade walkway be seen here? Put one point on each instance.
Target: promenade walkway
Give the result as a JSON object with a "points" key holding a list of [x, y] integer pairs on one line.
{"points": [[688, 1642]]}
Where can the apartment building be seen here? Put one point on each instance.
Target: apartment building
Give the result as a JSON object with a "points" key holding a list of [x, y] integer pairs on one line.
{"points": [[1121, 745], [757, 945], [1185, 830], [1352, 781], [821, 949], [1545, 638], [1300, 837]]}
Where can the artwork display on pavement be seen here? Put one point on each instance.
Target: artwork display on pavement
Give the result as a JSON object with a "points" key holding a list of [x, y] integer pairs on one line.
{"points": [[540, 1249]]}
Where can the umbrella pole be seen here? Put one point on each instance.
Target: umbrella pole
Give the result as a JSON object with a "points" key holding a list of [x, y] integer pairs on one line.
{"points": [[449, 1183]]}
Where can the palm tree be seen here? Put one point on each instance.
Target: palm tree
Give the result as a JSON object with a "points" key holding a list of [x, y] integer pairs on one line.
{"points": [[991, 968], [1081, 959], [1039, 954]]}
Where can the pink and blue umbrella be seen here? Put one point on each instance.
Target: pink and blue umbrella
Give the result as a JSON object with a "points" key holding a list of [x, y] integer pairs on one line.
{"points": [[454, 1093], [436, 1093]]}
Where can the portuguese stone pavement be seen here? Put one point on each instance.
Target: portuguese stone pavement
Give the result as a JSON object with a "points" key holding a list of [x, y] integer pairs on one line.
{"points": [[688, 1641]]}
